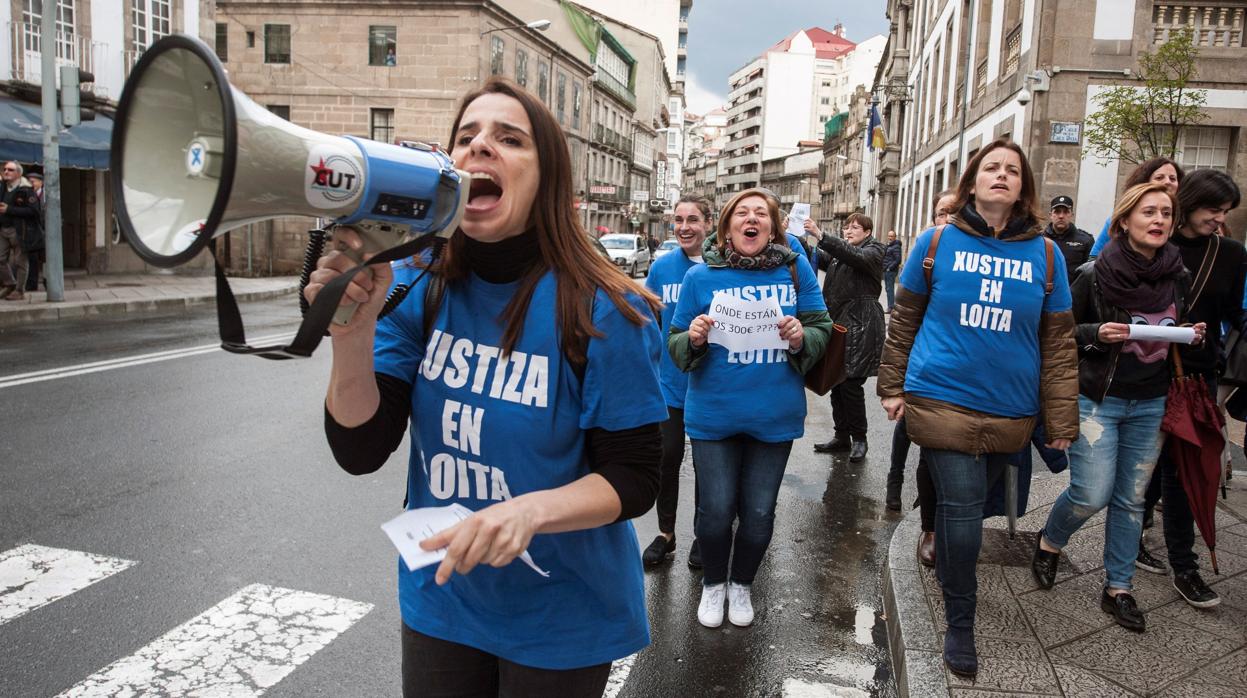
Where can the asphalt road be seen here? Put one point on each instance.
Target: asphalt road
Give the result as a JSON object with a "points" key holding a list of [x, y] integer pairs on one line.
{"points": [[210, 473]]}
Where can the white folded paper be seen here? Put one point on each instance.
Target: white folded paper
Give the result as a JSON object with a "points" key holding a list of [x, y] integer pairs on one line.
{"points": [[1158, 333], [411, 527], [796, 219], [741, 325]]}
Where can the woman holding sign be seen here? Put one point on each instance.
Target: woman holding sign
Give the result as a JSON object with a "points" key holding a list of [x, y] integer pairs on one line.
{"points": [[980, 346], [516, 414], [750, 322], [1122, 383]]}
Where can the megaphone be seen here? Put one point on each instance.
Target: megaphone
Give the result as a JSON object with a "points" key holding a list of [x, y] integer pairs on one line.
{"points": [[193, 158]]}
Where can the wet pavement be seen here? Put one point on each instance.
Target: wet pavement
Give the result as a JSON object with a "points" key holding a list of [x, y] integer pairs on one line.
{"points": [[819, 628]]}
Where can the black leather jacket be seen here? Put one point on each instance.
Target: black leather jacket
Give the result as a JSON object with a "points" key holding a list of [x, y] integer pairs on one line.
{"points": [[1096, 361]]}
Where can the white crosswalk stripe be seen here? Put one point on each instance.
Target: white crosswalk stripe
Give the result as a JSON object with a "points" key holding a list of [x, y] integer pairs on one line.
{"points": [[618, 676], [33, 575], [240, 647]]}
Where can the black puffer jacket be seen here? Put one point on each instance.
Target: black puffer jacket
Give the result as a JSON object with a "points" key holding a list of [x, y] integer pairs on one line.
{"points": [[1096, 361], [851, 290]]}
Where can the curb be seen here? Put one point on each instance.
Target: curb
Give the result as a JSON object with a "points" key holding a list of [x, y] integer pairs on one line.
{"points": [[913, 642], [80, 309]]}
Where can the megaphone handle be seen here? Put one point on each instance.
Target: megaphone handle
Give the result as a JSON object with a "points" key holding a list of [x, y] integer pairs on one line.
{"points": [[374, 241]]}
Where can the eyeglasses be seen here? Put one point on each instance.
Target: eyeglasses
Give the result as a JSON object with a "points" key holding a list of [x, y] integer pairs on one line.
{"points": [[10, 169]]}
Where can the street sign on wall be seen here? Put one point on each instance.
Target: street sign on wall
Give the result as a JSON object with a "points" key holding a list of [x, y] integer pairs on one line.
{"points": [[1065, 132], [640, 195], [602, 189]]}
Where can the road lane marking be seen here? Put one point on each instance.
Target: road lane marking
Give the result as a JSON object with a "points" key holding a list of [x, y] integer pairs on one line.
{"points": [[240, 647], [618, 676], [124, 362], [32, 576]]}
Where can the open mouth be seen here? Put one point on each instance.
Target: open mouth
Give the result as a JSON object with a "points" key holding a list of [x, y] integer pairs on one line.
{"points": [[750, 232], [483, 191], [1002, 187]]}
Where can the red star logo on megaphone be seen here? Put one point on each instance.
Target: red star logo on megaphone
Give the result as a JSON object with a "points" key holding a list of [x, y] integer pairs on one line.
{"points": [[322, 173]]}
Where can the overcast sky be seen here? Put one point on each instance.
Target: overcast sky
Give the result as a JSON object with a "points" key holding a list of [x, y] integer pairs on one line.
{"points": [[723, 35]]}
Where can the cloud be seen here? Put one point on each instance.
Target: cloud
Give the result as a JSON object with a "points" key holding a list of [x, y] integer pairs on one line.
{"points": [[701, 99]]}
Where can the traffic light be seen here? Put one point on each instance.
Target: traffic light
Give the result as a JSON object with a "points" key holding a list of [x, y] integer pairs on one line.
{"points": [[72, 97]]}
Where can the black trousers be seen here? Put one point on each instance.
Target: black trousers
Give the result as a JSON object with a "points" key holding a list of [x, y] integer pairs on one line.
{"points": [[669, 479], [436, 668], [848, 408], [922, 476]]}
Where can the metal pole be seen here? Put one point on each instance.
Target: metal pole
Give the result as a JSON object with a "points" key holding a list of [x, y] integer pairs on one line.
{"points": [[55, 268]]}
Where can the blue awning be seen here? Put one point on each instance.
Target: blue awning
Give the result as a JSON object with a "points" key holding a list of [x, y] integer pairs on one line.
{"points": [[83, 147]]}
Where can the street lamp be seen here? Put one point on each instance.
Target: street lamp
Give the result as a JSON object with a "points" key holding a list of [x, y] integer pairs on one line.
{"points": [[538, 24]]}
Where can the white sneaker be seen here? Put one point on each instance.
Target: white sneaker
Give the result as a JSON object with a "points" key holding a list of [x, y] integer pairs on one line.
{"points": [[710, 610], [739, 605]]}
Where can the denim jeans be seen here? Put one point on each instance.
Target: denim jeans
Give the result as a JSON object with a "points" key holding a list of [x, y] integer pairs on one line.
{"points": [[1111, 465], [962, 482], [737, 478], [889, 285]]}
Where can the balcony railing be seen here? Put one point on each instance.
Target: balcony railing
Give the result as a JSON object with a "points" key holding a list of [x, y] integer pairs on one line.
{"points": [[1213, 24], [1013, 50], [620, 90], [610, 139], [609, 192], [27, 60], [980, 81]]}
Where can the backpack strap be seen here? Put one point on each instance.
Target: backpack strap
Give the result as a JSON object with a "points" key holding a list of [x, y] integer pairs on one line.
{"points": [[928, 262], [1049, 247]]}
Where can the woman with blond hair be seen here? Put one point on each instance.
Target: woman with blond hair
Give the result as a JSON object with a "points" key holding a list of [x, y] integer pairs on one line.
{"points": [[743, 409], [1138, 279]]}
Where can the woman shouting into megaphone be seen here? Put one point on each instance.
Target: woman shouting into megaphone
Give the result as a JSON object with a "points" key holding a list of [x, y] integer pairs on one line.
{"points": [[527, 366]]}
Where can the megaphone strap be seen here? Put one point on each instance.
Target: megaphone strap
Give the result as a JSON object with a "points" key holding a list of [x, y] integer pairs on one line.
{"points": [[319, 313]]}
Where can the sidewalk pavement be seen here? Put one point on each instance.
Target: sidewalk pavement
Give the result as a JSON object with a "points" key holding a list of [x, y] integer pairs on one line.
{"points": [[109, 294], [1059, 642]]}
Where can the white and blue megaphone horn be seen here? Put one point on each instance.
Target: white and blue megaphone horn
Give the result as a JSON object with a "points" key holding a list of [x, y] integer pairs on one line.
{"points": [[193, 158]]}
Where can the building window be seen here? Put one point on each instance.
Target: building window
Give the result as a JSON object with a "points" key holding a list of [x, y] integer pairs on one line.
{"points": [[577, 97], [679, 66], [521, 67], [382, 45], [250, 39], [282, 110], [543, 81], [222, 41], [825, 100], [381, 125], [1013, 51], [152, 19], [277, 43], [613, 64], [32, 16], [1204, 147], [496, 47], [561, 97]]}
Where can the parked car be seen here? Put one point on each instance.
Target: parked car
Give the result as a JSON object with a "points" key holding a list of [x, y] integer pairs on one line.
{"points": [[628, 252], [666, 246]]}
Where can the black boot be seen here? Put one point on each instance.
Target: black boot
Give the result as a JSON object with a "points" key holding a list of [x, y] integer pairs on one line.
{"points": [[858, 452], [838, 443], [960, 655], [659, 551], [893, 499], [1043, 565]]}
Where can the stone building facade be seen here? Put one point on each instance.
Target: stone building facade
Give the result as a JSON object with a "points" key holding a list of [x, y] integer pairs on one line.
{"points": [[1064, 54]]}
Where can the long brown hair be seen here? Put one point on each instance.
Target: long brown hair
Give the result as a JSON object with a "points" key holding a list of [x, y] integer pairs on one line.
{"points": [[725, 217], [1143, 173], [1025, 207], [564, 246], [1130, 200]]}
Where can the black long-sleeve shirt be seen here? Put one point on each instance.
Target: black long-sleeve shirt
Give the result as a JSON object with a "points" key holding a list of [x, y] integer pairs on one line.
{"points": [[1220, 301]]}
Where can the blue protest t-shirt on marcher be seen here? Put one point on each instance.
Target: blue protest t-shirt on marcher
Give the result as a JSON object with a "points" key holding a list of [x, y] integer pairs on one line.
{"points": [[756, 393], [486, 428], [978, 345], [1100, 240], [664, 281]]}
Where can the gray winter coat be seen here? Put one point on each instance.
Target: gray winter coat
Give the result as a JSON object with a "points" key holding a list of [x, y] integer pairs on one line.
{"points": [[851, 290]]}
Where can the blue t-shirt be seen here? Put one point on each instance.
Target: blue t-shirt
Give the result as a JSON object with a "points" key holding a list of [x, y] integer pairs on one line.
{"points": [[485, 429], [664, 281], [756, 393], [1100, 240], [978, 345]]}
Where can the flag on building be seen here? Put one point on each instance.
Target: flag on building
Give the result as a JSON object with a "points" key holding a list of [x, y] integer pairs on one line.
{"points": [[877, 141]]}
